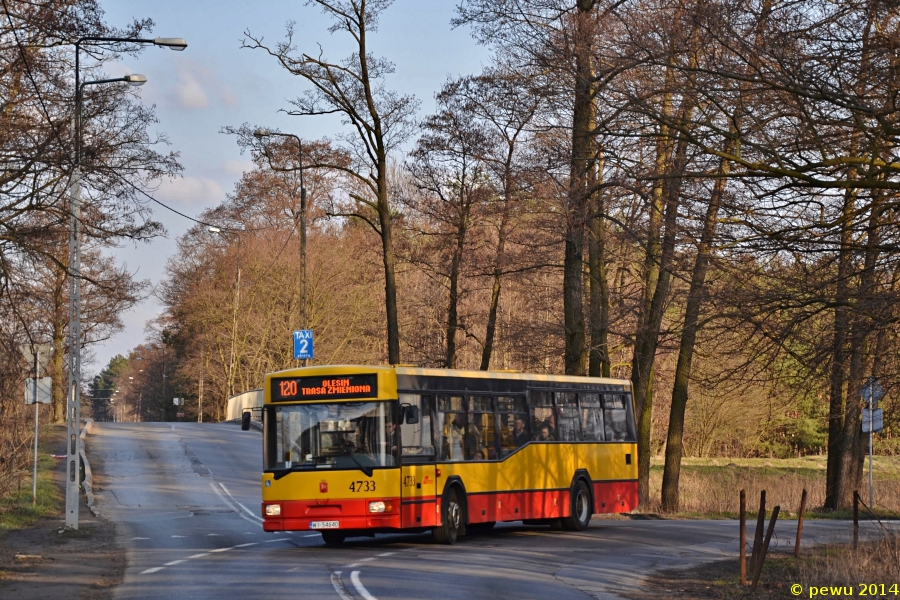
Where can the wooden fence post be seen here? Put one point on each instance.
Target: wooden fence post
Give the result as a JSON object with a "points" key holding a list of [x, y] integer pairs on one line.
{"points": [[743, 537], [762, 553], [800, 516], [760, 527]]}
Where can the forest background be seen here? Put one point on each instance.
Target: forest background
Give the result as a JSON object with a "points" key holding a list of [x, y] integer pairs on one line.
{"points": [[698, 196]]}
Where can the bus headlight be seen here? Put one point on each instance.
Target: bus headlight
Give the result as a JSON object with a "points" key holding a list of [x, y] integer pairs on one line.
{"points": [[273, 510], [380, 507]]}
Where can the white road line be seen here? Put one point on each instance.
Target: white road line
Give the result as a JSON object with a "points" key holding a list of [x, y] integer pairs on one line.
{"points": [[351, 566], [140, 538], [201, 555], [174, 562], [232, 506], [338, 586], [250, 512], [211, 534], [367, 559], [313, 535], [221, 550], [178, 536], [245, 545], [278, 540], [153, 570], [354, 577], [386, 554]]}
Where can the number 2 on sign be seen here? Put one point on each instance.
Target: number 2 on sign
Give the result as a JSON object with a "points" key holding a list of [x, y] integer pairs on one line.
{"points": [[362, 486]]}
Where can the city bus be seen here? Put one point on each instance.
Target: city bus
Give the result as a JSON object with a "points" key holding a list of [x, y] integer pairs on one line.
{"points": [[358, 450]]}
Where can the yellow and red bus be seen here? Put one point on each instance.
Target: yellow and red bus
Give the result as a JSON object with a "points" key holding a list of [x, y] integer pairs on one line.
{"points": [[357, 450]]}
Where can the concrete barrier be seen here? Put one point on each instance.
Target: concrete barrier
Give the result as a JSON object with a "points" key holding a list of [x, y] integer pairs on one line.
{"points": [[88, 483], [238, 403]]}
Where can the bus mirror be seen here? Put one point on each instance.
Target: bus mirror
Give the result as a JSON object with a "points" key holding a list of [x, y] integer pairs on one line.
{"points": [[245, 420], [412, 414]]}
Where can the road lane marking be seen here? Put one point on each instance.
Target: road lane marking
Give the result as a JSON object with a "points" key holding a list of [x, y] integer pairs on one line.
{"points": [[367, 559], [278, 540], [245, 545], [250, 512], [354, 577], [313, 535], [198, 555], [338, 586], [386, 554], [211, 534], [221, 550], [153, 570], [174, 562], [140, 538], [178, 536], [351, 566]]}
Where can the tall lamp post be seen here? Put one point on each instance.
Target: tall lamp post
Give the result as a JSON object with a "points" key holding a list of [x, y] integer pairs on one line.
{"points": [[237, 301], [73, 408], [261, 133]]}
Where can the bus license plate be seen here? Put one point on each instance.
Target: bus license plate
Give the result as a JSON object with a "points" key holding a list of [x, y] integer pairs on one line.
{"points": [[324, 524]]}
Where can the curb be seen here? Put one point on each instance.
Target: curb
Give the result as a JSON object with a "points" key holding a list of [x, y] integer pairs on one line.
{"points": [[88, 483]]}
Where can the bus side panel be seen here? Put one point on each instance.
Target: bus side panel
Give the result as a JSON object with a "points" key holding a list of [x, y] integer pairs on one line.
{"points": [[534, 482], [418, 500], [615, 496]]}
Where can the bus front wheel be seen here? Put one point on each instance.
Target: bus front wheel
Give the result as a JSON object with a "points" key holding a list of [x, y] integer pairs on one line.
{"points": [[580, 512], [333, 538], [451, 518]]}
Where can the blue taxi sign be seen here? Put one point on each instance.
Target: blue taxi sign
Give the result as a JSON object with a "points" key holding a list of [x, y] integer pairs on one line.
{"points": [[303, 344]]}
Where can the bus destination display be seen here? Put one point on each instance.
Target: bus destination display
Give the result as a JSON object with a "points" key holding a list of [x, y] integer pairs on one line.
{"points": [[327, 387]]}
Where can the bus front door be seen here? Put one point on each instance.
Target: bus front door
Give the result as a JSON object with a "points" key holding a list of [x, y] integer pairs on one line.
{"points": [[418, 496]]}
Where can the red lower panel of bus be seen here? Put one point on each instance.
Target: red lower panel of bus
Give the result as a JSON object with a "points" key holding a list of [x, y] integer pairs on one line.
{"points": [[609, 497], [615, 496], [298, 515], [421, 512]]}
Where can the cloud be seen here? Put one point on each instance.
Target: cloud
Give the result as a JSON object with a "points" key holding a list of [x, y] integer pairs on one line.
{"points": [[191, 191], [236, 168], [199, 86]]}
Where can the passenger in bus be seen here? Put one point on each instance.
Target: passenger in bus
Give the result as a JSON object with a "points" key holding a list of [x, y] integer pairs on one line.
{"points": [[545, 435], [453, 437], [474, 441], [520, 436], [551, 422], [391, 437]]}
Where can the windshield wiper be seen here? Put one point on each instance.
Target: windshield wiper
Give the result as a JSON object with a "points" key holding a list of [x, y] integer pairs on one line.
{"points": [[367, 471]]}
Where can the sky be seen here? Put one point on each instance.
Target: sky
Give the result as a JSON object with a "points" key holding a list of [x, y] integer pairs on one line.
{"points": [[215, 83]]}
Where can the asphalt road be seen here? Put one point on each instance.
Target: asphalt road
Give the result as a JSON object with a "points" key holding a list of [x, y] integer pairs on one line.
{"points": [[186, 498]]}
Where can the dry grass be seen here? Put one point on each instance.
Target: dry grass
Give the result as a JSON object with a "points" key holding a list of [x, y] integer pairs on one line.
{"points": [[872, 563], [711, 487]]}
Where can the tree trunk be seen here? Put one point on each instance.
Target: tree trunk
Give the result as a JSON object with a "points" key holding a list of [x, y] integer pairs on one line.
{"points": [[581, 175], [696, 293], [598, 359]]}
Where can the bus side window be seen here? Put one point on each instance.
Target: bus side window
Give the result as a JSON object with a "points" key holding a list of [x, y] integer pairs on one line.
{"points": [[542, 414], [481, 437], [569, 426], [591, 417], [514, 431], [415, 439], [451, 426], [615, 417]]}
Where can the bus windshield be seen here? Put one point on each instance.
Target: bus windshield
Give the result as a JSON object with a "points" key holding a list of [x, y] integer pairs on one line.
{"points": [[340, 435]]}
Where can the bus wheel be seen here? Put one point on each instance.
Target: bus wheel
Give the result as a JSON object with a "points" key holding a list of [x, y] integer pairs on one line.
{"points": [[333, 538], [451, 518], [580, 512]]}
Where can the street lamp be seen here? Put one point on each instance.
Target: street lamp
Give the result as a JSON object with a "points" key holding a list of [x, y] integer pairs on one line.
{"points": [[237, 301], [73, 407], [261, 133]]}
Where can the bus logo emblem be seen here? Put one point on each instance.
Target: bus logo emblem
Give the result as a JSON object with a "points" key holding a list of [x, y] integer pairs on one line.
{"points": [[323, 487]]}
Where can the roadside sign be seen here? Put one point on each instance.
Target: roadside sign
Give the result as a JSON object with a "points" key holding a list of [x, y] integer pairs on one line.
{"points": [[44, 387], [43, 350], [179, 415], [872, 391], [303, 344], [178, 401], [875, 424]]}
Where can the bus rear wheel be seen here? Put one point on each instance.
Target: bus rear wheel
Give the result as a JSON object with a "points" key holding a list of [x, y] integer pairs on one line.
{"points": [[333, 538], [580, 512], [451, 518]]}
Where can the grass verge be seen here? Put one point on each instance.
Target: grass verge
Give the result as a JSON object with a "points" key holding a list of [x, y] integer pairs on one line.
{"points": [[16, 510]]}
